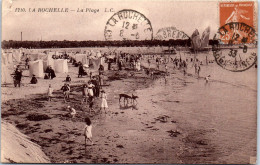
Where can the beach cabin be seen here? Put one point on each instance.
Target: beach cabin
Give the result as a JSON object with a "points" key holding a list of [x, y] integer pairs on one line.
{"points": [[6, 77], [36, 68], [61, 66]]}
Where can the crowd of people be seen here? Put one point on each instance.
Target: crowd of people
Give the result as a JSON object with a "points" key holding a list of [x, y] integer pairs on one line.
{"points": [[163, 63], [92, 90], [132, 61]]}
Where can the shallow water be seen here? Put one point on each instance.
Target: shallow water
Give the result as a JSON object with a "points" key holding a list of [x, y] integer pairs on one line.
{"points": [[225, 108]]}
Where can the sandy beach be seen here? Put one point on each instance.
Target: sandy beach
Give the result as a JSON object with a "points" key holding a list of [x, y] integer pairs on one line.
{"points": [[179, 119]]}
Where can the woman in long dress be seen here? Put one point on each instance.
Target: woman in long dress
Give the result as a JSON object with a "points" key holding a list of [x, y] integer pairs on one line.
{"points": [[88, 131], [138, 66], [84, 93], [103, 101], [49, 93]]}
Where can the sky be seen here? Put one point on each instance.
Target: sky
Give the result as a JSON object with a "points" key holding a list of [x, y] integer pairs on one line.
{"points": [[73, 25]]}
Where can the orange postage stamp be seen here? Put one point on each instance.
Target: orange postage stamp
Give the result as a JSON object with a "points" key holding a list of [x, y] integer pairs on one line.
{"points": [[242, 12]]}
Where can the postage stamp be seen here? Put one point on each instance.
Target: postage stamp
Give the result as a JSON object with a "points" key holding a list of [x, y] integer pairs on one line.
{"points": [[128, 25], [237, 12], [168, 33], [236, 49]]}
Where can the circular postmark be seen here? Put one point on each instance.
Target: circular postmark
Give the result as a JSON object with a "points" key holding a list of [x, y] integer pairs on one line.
{"points": [[234, 47], [168, 33], [128, 25]]}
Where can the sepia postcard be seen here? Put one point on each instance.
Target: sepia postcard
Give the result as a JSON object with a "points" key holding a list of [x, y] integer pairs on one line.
{"points": [[127, 81]]}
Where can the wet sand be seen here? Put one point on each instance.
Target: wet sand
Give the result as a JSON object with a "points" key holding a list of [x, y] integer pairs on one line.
{"points": [[181, 120]]}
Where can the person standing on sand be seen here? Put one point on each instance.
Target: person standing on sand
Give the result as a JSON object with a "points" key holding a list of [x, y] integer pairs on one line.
{"points": [[27, 62], [103, 101], [81, 70], [198, 71], [166, 69], [90, 75], [101, 69], [158, 66], [90, 103], [119, 64], [53, 75], [96, 82], [101, 80], [152, 75], [196, 68], [84, 93], [149, 63], [66, 90], [49, 93], [88, 131], [184, 67], [90, 89], [17, 77]]}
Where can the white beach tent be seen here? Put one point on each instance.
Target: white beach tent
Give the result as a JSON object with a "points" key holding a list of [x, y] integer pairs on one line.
{"points": [[5, 75], [33, 57], [85, 60], [10, 58], [72, 55], [4, 59], [36, 68], [98, 54], [80, 57], [96, 62], [42, 56], [61, 66], [17, 56], [51, 53], [102, 60]]}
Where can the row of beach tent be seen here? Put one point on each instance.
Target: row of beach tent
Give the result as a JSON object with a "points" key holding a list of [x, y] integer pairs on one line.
{"points": [[39, 61], [38, 67]]}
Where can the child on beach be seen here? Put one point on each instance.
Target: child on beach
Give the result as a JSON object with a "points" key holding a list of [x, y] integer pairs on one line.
{"points": [[149, 63], [103, 101], [49, 93], [90, 75], [34, 80], [72, 111], [88, 131], [91, 103], [90, 89], [46, 77], [152, 75], [198, 71], [165, 78], [68, 79], [66, 91], [207, 78], [84, 93]]}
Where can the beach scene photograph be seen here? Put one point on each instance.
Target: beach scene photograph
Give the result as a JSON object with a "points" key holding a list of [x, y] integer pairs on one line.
{"points": [[129, 82]]}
